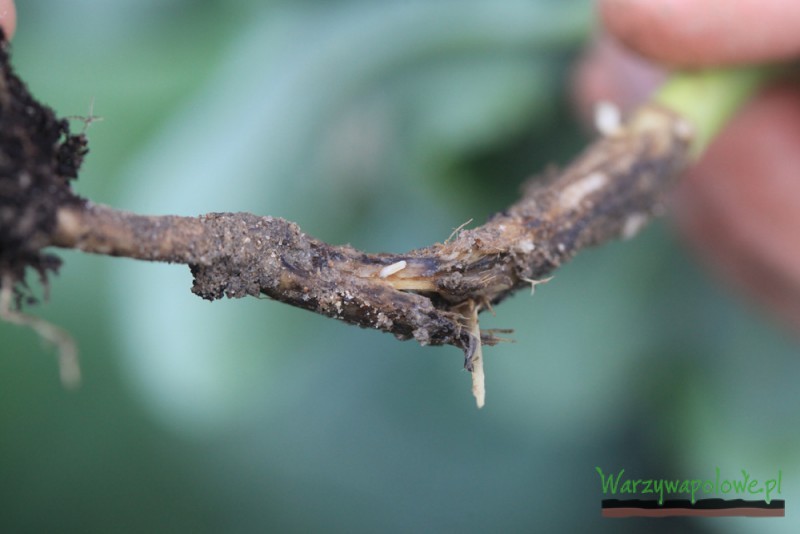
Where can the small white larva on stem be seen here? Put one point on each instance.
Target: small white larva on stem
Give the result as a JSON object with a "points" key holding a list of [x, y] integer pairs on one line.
{"points": [[389, 270], [607, 118]]}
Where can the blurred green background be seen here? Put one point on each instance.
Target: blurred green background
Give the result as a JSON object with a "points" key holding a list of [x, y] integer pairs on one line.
{"points": [[384, 125]]}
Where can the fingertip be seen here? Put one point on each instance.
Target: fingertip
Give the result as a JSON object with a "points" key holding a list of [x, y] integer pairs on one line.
{"points": [[657, 29], [8, 17], [609, 72], [740, 205], [712, 32]]}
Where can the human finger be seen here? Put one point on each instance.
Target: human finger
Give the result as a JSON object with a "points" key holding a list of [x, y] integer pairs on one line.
{"points": [[8, 17], [740, 204], [707, 32], [609, 72]]}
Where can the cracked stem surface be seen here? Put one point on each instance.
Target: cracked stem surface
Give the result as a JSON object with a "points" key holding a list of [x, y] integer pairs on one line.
{"points": [[420, 294]]}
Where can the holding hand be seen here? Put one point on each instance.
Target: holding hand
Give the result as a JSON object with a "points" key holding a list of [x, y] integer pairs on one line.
{"points": [[8, 17], [740, 204]]}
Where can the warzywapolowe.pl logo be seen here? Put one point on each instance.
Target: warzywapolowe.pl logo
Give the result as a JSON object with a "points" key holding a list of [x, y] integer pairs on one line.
{"points": [[755, 497]]}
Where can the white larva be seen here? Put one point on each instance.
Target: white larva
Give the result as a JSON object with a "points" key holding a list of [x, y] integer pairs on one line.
{"points": [[572, 195], [607, 118], [389, 270]]}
